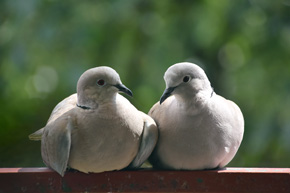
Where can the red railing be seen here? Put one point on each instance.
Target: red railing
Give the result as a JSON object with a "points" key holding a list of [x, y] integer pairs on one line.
{"points": [[32, 180]]}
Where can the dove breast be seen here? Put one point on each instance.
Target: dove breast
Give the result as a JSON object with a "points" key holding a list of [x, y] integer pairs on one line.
{"points": [[112, 141]]}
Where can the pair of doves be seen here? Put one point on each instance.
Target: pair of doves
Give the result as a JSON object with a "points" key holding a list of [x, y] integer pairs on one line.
{"points": [[97, 129]]}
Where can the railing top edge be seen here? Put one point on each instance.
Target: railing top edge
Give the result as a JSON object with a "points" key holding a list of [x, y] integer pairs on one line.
{"points": [[225, 170]]}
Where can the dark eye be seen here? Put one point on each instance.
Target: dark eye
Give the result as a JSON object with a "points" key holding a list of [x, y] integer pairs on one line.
{"points": [[186, 79], [101, 82]]}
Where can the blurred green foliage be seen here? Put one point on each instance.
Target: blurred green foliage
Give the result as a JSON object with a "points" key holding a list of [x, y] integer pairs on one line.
{"points": [[244, 47]]}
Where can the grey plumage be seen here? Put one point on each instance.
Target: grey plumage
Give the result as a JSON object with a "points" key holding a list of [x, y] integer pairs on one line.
{"points": [[198, 129], [97, 129]]}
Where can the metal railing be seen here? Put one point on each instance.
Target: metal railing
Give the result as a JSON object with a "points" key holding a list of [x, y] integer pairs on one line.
{"points": [[33, 180]]}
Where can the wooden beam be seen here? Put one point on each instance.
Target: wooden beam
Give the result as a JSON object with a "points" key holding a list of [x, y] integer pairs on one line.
{"points": [[274, 180]]}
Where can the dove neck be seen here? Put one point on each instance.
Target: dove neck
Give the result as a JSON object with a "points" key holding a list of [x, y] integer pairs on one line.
{"points": [[196, 100], [95, 101], [88, 104]]}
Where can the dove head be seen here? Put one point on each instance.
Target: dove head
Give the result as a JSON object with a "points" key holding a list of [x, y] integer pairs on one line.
{"points": [[185, 81], [99, 85]]}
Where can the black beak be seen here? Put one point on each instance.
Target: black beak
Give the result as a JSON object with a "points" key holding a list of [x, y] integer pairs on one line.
{"points": [[124, 89], [166, 94]]}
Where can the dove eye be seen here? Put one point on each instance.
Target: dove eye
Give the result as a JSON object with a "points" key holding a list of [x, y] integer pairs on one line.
{"points": [[186, 79], [101, 82]]}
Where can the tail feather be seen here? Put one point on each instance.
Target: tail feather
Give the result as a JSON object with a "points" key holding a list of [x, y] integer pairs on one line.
{"points": [[36, 136]]}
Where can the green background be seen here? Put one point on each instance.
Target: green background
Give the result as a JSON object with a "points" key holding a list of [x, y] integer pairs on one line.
{"points": [[244, 47]]}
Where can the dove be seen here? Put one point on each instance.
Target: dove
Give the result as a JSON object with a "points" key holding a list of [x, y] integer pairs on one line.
{"points": [[97, 129], [198, 129]]}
